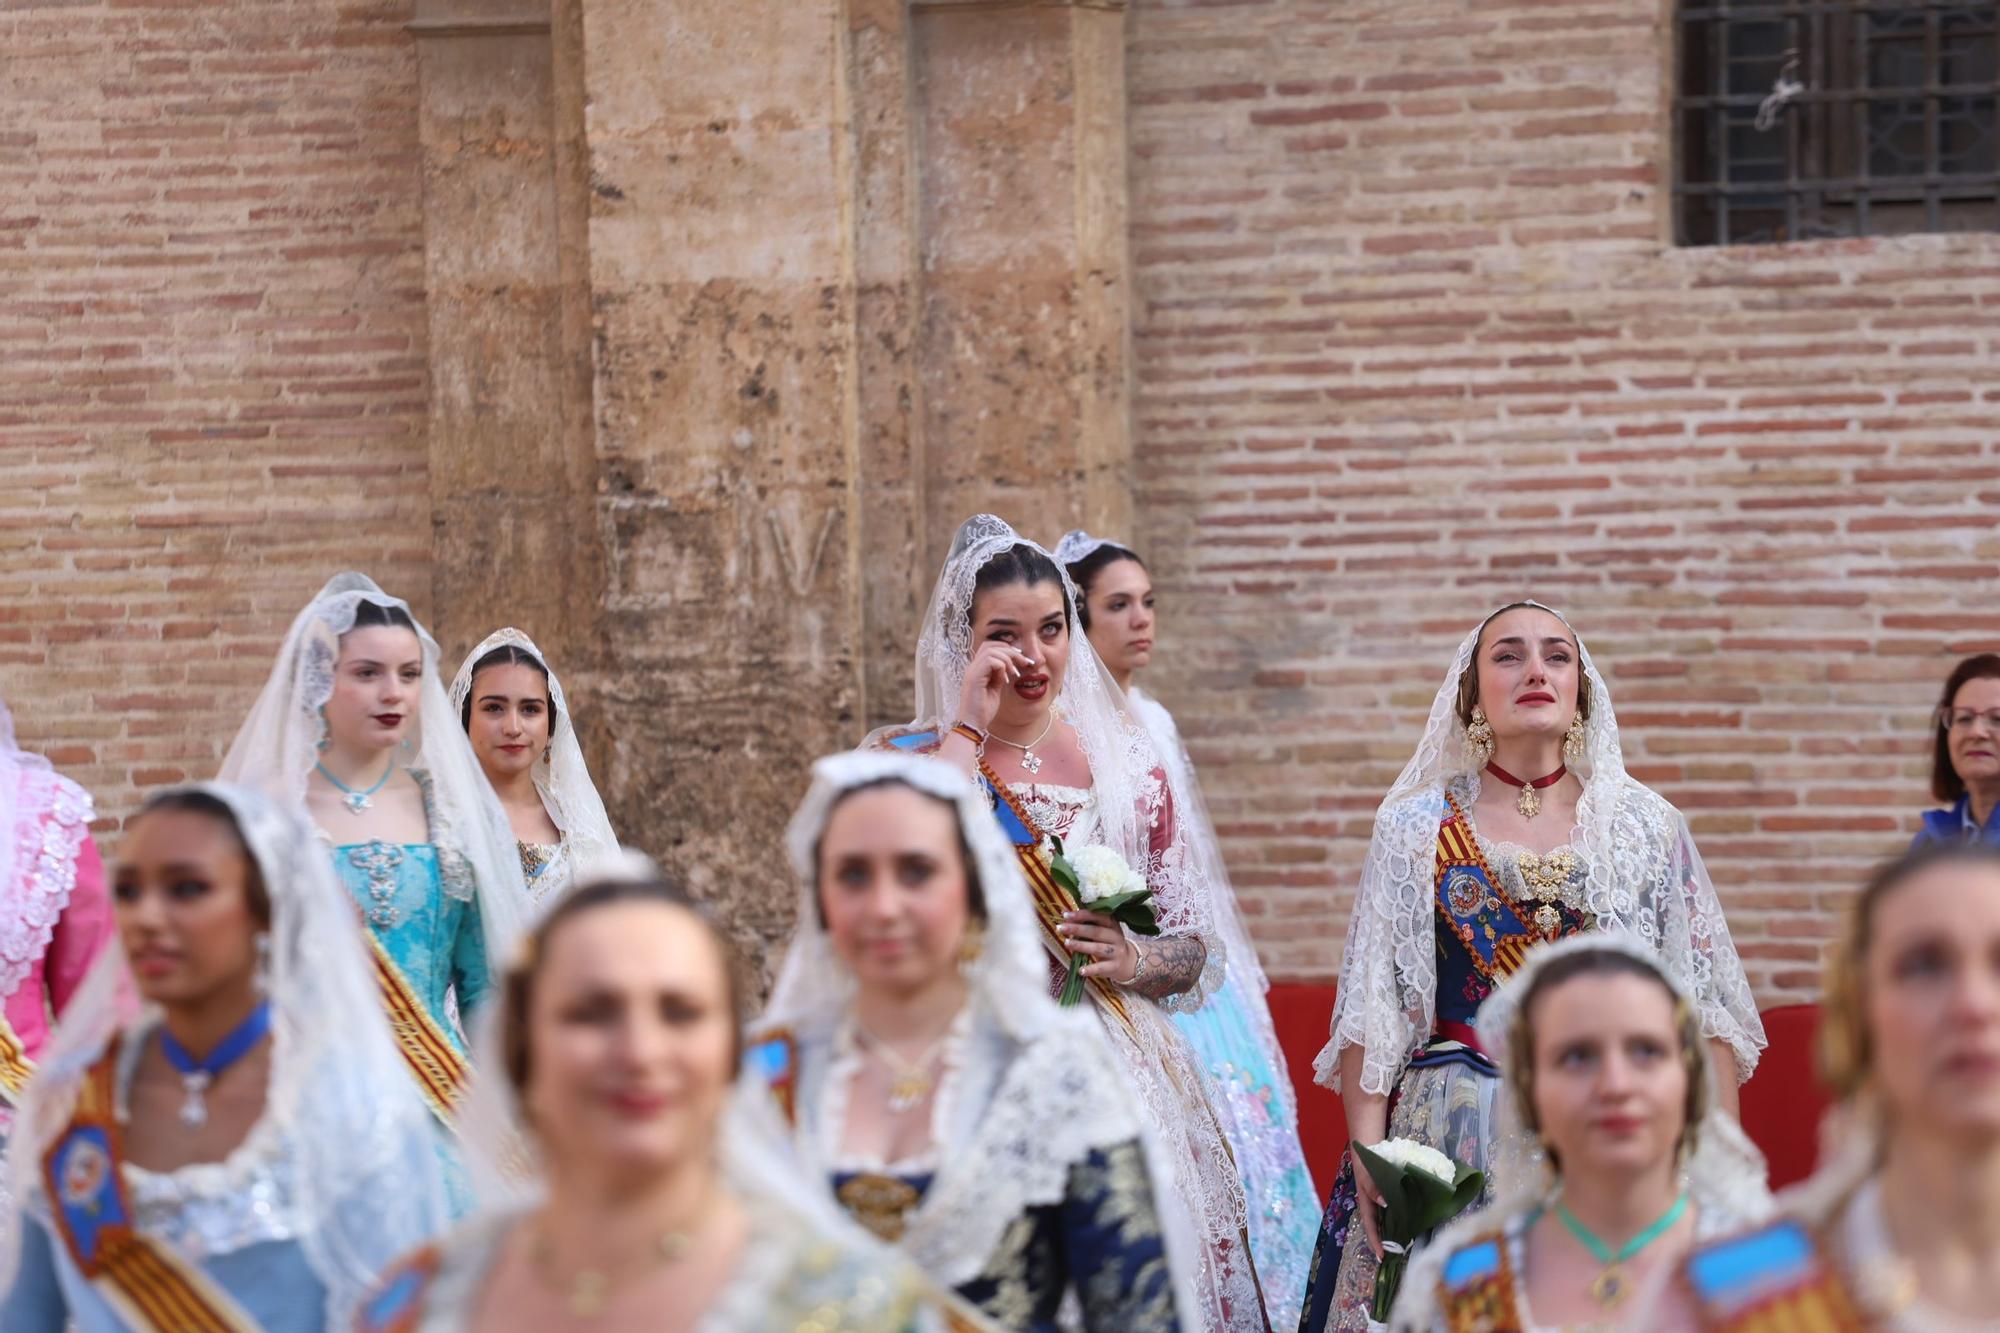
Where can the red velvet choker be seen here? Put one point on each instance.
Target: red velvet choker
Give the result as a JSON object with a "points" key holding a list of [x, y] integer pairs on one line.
{"points": [[1529, 803]]}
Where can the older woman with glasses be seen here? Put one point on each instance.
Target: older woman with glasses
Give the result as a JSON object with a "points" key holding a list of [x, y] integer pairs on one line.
{"points": [[1965, 763]]}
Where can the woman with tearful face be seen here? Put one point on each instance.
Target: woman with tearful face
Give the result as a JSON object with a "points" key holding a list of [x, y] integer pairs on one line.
{"points": [[1010, 694], [521, 727], [1608, 1084], [1232, 1032], [1899, 1229], [1515, 823], [354, 726], [253, 1122], [946, 1101], [618, 1039]]}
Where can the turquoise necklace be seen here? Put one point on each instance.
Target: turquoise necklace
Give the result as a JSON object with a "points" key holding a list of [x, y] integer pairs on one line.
{"points": [[357, 801], [1610, 1287]]}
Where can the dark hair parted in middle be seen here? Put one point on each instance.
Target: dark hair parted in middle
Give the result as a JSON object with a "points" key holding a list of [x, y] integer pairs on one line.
{"points": [[190, 800], [1083, 573], [975, 893], [1019, 564], [1946, 784], [518, 986], [368, 615], [1468, 680], [507, 654]]}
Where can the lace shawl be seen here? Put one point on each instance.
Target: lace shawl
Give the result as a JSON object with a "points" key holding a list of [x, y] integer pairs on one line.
{"points": [[1645, 877]]}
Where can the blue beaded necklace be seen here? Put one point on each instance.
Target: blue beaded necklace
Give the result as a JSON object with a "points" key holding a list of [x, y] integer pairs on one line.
{"points": [[357, 801], [198, 1075]]}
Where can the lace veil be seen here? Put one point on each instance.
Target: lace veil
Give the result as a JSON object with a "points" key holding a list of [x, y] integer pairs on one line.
{"points": [[1038, 1090], [359, 1139], [1643, 875], [1203, 845], [278, 745], [1137, 802], [44, 818], [564, 782], [1725, 1175]]}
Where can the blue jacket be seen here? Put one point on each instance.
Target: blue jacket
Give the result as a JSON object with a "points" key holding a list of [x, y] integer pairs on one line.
{"points": [[1955, 825]]}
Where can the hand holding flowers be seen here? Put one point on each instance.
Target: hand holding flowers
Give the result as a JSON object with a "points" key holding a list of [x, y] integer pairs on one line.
{"points": [[1421, 1190], [1101, 882]]}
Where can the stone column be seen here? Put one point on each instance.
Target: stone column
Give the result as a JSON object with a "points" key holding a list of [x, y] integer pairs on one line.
{"points": [[512, 471], [1025, 310], [723, 276]]}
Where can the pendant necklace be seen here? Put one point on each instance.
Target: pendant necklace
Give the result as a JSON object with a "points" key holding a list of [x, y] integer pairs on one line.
{"points": [[588, 1291], [197, 1076], [1029, 759], [910, 1081], [1529, 802], [1610, 1286], [357, 801]]}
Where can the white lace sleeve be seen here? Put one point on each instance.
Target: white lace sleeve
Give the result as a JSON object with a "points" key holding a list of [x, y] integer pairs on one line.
{"points": [[1695, 940], [1388, 971], [1189, 948]]}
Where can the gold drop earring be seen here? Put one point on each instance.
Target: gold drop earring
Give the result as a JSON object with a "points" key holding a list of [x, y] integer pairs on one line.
{"points": [[1573, 742], [1479, 737]]}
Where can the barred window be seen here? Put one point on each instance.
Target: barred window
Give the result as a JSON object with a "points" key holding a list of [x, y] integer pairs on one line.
{"points": [[1802, 119]]}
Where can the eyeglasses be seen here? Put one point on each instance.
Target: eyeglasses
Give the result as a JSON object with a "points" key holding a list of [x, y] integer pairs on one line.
{"points": [[1962, 719]]}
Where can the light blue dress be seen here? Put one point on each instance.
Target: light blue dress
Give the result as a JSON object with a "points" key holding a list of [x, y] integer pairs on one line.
{"points": [[434, 938]]}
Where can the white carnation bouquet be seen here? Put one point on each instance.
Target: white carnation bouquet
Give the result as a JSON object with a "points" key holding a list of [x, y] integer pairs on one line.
{"points": [[1101, 882], [1421, 1190]]}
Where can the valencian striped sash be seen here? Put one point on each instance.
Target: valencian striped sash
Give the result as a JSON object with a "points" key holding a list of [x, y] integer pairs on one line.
{"points": [[1770, 1280], [1471, 904], [1476, 1289], [441, 1072], [15, 1066], [1051, 898], [151, 1286]]}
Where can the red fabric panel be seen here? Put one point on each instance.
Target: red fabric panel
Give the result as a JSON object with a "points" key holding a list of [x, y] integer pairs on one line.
{"points": [[1301, 1013], [1783, 1101]]}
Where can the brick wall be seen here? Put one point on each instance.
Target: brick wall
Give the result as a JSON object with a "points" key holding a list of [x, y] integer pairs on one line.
{"points": [[212, 383], [1410, 342]]}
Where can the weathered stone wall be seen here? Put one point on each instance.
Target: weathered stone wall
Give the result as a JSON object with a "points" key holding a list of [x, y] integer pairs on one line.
{"points": [[1411, 341]]}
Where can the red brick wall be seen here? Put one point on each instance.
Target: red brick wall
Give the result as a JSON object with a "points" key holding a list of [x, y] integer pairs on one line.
{"points": [[212, 383], [1410, 341]]}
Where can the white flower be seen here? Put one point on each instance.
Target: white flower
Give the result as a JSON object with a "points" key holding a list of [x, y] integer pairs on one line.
{"points": [[1101, 872], [1045, 852], [1411, 1155]]}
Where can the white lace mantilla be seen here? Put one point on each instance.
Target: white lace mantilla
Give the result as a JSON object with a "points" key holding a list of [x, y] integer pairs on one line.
{"points": [[51, 819]]}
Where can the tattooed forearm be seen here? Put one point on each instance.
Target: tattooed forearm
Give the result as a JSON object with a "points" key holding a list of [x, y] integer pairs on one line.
{"points": [[1173, 965]]}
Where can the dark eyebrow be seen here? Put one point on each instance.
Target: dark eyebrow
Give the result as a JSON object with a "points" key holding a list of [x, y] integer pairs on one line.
{"points": [[1052, 617], [1002, 620]]}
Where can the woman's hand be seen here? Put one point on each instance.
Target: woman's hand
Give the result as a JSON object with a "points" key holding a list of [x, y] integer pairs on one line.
{"points": [[1102, 939], [1367, 1200], [994, 666]]}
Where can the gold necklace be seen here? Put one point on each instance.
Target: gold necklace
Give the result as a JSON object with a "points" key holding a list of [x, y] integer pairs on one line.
{"points": [[910, 1081], [587, 1291]]}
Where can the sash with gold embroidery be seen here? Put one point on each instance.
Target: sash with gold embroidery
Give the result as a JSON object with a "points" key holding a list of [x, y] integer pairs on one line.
{"points": [[1476, 1289], [1770, 1280], [1051, 898], [149, 1284], [15, 1066], [441, 1072], [1495, 936]]}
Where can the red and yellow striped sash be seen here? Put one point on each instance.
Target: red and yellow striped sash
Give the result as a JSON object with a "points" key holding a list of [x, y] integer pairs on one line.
{"points": [[15, 1066], [441, 1072], [1051, 898]]}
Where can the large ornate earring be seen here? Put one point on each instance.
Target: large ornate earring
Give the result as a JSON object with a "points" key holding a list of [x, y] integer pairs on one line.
{"points": [[261, 977], [1479, 737], [1573, 742], [972, 945]]}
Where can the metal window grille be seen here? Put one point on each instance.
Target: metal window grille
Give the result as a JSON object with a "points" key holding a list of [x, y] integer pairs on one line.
{"points": [[1802, 119]]}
